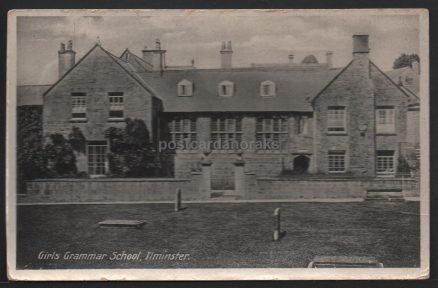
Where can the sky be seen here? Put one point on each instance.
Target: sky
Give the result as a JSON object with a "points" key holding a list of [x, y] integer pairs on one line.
{"points": [[265, 38]]}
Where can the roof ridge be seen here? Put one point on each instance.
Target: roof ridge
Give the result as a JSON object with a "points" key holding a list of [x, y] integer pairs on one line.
{"points": [[133, 74], [389, 78], [71, 68], [331, 81]]}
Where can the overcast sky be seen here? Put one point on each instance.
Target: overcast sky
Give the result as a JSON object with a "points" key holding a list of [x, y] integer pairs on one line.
{"points": [[255, 39]]}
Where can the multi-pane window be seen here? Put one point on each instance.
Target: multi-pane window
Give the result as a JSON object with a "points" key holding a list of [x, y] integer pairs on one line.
{"points": [[336, 119], [116, 105], [385, 163], [271, 132], [183, 132], [385, 120], [96, 154], [336, 161], [79, 105], [226, 133], [302, 125]]}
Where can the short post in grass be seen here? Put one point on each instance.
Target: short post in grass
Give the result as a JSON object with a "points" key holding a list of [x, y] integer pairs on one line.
{"points": [[277, 224], [178, 200]]}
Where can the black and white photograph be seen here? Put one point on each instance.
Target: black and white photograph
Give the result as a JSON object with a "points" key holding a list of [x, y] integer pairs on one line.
{"points": [[218, 145]]}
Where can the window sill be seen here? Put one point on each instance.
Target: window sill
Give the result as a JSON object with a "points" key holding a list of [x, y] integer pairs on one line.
{"points": [[385, 175], [116, 120], [79, 120], [225, 151], [337, 133], [339, 172], [266, 151], [188, 151], [386, 134]]}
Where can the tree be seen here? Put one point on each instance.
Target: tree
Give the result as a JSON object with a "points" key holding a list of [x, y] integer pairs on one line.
{"points": [[59, 153], [61, 160], [31, 162], [131, 152], [310, 59], [405, 60], [77, 140]]}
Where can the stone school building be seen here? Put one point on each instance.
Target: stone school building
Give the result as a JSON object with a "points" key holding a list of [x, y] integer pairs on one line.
{"points": [[274, 120]]}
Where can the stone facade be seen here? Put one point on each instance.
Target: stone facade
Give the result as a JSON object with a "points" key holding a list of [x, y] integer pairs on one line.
{"points": [[96, 76], [361, 88]]}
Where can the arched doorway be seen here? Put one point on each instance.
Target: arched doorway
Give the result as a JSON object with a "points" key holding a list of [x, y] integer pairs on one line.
{"points": [[301, 164]]}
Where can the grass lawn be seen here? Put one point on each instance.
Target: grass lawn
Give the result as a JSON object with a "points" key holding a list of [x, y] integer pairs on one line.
{"points": [[230, 235]]}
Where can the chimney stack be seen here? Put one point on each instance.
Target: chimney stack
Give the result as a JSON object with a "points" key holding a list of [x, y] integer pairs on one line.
{"points": [[155, 56], [291, 57], [329, 59], [416, 66], [66, 58], [226, 55], [360, 43]]}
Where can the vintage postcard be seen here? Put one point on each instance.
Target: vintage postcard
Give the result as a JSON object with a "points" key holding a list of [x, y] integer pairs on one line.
{"points": [[218, 145]]}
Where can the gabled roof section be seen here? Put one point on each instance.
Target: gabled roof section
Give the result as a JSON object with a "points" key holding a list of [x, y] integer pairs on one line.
{"points": [[131, 72], [68, 71], [124, 65], [330, 83], [409, 95], [138, 63]]}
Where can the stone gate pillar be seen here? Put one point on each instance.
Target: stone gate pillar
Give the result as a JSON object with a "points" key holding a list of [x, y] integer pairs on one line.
{"points": [[239, 175], [206, 175]]}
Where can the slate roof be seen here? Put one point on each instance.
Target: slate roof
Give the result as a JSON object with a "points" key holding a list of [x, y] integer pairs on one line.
{"points": [[396, 74], [294, 88], [31, 94], [138, 63]]}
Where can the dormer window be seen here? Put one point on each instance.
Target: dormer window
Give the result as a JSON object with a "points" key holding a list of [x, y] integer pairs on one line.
{"points": [[267, 89], [226, 88], [185, 88]]}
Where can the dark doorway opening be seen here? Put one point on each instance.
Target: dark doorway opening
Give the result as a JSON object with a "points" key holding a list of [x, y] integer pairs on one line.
{"points": [[301, 164]]}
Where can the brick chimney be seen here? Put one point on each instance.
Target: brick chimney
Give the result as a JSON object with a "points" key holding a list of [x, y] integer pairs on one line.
{"points": [[416, 66], [226, 55], [155, 56], [66, 58], [360, 44], [329, 59], [291, 57]]}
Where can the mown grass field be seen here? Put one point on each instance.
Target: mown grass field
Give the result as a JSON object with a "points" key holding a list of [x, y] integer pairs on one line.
{"points": [[217, 235]]}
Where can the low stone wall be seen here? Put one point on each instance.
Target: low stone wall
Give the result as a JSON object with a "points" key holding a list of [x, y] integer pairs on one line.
{"points": [[112, 190], [293, 188], [198, 187]]}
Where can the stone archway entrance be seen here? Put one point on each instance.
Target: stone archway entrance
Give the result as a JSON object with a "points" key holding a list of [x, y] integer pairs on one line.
{"points": [[301, 164]]}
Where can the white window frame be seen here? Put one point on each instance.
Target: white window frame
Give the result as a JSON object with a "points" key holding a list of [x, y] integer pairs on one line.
{"points": [[79, 103], [267, 133], [226, 89], [335, 157], [336, 121], [302, 125], [226, 132], [385, 164], [185, 88], [96, 167], [116, 102], [385, 120], [183, 131], [270, 87]]}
